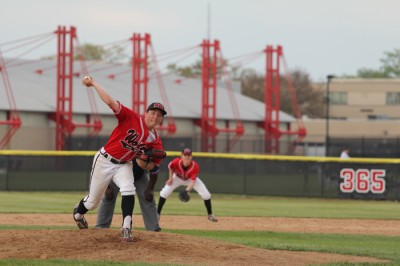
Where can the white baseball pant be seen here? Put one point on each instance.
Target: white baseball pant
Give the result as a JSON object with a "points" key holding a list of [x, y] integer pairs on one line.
{"points": [[103, 171], [177, 182]]}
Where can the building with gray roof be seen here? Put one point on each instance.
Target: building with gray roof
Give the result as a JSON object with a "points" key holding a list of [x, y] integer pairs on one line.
{"points": [[34, 87]]}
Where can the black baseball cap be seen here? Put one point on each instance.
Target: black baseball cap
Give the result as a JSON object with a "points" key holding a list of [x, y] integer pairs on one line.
{"points": [[158, 106]]}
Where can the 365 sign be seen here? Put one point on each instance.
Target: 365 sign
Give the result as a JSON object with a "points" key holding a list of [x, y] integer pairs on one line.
{"points": [[362, 180]]}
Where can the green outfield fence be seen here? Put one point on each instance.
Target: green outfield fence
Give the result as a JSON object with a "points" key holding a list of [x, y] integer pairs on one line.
{"points": [[245, 174]]}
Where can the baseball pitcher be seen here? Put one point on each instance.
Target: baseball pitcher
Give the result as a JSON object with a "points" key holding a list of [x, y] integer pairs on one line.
{"points": [[131, 139]]}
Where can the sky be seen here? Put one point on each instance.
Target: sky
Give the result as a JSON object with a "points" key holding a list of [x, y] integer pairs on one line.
{"points": [[319, 37]]}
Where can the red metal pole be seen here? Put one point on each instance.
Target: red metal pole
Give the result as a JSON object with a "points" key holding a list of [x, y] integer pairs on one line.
{"points": [[272, 99], [64, 124], [272, 103], [140, 72], [209, 95], [140, 79], [59, 129], [268, 100], [277, 101], [13, 119]]}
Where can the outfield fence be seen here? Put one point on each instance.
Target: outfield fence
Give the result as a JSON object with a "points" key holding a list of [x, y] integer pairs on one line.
{"points": [[245, 174]]}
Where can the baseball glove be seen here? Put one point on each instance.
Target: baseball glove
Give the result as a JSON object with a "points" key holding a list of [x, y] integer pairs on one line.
{"points": [[184, 196], [151, 154]]}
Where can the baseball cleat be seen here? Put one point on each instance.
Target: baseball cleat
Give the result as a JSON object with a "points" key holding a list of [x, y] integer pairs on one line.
{"points": [[81, 223], [126, 235], [211, 218]]}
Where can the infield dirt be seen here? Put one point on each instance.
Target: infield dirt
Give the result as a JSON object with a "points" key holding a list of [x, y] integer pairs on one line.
{"points": [[162, 247]]}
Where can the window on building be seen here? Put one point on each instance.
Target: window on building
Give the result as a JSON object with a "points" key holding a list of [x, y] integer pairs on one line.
{"points": [[393, 98], [338, 97]]}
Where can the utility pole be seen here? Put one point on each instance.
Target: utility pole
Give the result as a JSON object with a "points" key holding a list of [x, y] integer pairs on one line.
{"points": [[327, 137]]}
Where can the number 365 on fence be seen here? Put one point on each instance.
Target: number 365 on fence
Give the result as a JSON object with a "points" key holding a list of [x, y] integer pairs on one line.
{"points": [[362, 180]]}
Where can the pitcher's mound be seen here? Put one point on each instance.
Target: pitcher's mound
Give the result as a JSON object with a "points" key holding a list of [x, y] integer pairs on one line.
{"points": [[152, 247]]}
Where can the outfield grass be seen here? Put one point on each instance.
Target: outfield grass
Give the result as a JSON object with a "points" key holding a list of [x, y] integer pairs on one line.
{"points": [[383, 247]]}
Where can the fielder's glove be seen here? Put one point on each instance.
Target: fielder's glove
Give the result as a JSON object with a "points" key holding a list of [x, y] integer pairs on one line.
{"points": [[184, 196], [151, 154]]}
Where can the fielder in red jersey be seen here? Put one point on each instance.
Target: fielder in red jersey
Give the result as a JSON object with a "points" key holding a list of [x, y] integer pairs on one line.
{"points": [[184, 171], [113, 162]]}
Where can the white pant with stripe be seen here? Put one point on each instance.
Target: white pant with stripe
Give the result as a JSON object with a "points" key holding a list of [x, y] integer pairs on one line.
{"points": [[177, 182], [103, 171]]}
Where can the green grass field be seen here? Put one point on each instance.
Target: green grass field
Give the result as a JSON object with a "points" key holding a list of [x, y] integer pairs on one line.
{"points": [[382, 247]]}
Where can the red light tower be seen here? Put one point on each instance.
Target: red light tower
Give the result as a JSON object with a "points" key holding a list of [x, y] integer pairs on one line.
{"points": [[140, 72], [209, 95], [271, 124], [140, 78], [208, 122], [13, 119], [63, 116]]}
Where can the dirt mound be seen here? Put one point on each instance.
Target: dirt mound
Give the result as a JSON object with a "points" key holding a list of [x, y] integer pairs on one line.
{"points": [[104, 244]]}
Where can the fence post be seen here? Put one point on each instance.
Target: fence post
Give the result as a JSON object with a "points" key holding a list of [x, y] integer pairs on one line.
{"points": [[7, 175], [324, 171], [245, 178], [395, 182], [362, 146], [305, 186]]}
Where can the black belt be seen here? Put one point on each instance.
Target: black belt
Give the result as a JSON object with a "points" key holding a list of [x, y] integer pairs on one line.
{"points": [[112, 159]]}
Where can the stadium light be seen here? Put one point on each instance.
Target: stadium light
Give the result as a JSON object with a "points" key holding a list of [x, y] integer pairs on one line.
{"points": [[327, 97]]}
